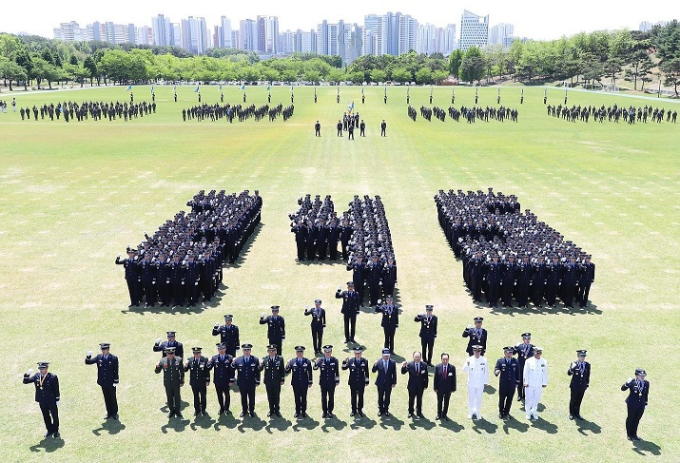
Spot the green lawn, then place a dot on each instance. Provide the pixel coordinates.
(72, 196)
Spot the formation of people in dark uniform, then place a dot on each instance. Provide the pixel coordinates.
(615, 113)
(510, 256)
(95, 110)
(215, 112)
(318, 231)
(184, 258)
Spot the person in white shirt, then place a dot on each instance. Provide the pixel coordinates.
(535, 379)
(478, 378)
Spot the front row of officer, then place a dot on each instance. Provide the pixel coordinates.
(273, 367)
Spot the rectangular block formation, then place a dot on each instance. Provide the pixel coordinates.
(509, 255)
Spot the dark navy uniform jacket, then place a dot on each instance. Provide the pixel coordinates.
(223, 373)
(300, 372)
(107, 369)
(330, 372)
(46, 393)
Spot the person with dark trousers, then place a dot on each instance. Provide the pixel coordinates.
(386, 380)
(329, 379)
(508, 373)
(349, 310)
(317, 324)
(444, 386)
(173, 380)
(198, 367)
(131, 276)
(389, 322)
(248, 379)
(276, 327)
(476, 336)
(300, 370)
(358, 380)
(580, 381)
(223, 377)
(524, 351)
(47, 395)
(637, 400)
(229, 335)
(273, 370)
(107, 377)
(428, 332)
(418, 380)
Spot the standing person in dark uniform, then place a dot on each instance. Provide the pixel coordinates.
(350, 132)
(131, 276)
(339, 127)
(301, 237)
(47, 395)
(638, 397)
(229, 335)
(418, 380)
(357, 381)
(248, 379)
(373, 272)
(507, 370)
(524, 351)
(389, 276)
(147, 270)
(173, 380)
(477, 336)
(276, 327)
(385, 381)
(345, 235)
(570, 277)
(317, 325)
(523, 281)
(107, 377)
(493, 280)
(580, 381)
(223, 377)
(585, 280)
(349, 310)
(553, 280)
(362, 129)
(273, 368)
(383, 127)
(444, 385)
(428, 332)
(389, 322)
(509, 280)
(317, 129)
(329, 378)
(171, 342)
(199, 379)
(333, 236)
(358, 268)
(539, 273)
(300, 369)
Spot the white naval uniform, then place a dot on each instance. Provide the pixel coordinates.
(478, 376)
(535, 377)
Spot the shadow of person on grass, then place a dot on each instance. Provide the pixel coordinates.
(391, 421)
(514, 424)
(333, 423)
(642, 447)
(251, 422)
(247, 246)
(362, 422)
(451, 425)
(175, 424)
(544, 425)
(279, 424)
(48, 445)
(110, 426)
(422, 423)
(226, 421)
(308, 423)
(202, 422)
(585, 425)
(484, 425)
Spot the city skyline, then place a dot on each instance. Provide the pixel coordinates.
(530, 18)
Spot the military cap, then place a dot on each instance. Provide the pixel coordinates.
(104, 345)
(275, 308)
(478, 319)
(386, 351)
(538, 349)
(358, 350)
(509, 349)
(171, 334)
(196, 350)
(43, 364)
(221, 346)
(299, 348)
(271, 346)
(317, 301)
(228, 317)
(526, 335)
(327, 348)
(640, 371)
(477, 347)
(246, 346)
(429, 308)
(350, 283)
(169, 350)
(582, 352)
(389, 296)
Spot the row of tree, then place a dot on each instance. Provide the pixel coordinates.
(583, 59)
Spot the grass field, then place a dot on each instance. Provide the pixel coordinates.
(72, 196)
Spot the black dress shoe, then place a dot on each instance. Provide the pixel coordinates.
(324, 415)
(361, 413)
(269, 413)
(115, 417)
(197, 413)
(296, 415)
(106, 417)
(171, 414)
(446, 418)
(629, 438)
(509, 416)
(179, 415)
(242, 414)
(634, 437)
(579, 417)
(379, 413)
(278, 413)
(56, 435)
(304, 414)
(352, 414)
(437, 417)
(227, 412)
(410, 415)
(252, 414)
(387, 413)
(48, 434)
(571, 417)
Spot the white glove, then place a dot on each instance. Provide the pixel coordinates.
(29, 372)
(217, 325)
(115, 384)
(89, 353)
(158, 341)
(629, 380)
(118, 256)
(469, 327)
(57, 403)
(339, 288)
(263, 315)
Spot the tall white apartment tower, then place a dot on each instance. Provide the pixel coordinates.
(474, 30)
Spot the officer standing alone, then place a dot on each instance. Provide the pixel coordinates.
(637, 400)
(107, 377)
(47, 395)
(507, 371)
(580, 381)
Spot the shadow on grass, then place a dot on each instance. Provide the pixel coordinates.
(110, 426)
(590, 309)
(333, 423)
(305, 423)
(279, 424)
(48, 444)
(174, 424)
(544, 425)
(362, 423)
(251, 422)
(451, 426)
(422, 423)
(202, 422)
(514, 424)
(484, 425)
(490, 389)
(642, 447)
(392, 422)
(226, 421)
(245, 250)
(585, 425)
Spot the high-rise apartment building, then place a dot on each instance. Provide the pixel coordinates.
(501, 34)
(195, 35)
(474, 30)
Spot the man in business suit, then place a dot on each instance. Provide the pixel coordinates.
(107, 377)
(349, 310)
(329, 378)
(476, 336)
(47, 395)
(477, 368)
(580, 380)
(638, 397)
(507, 371)
(389, 322)
(317, 324)
(357, 380)
(276, 327)
(418, 380)
(385, 381)
(428, 332)
(300, 369)
(273, 367)
(248, 379)
(444, 385)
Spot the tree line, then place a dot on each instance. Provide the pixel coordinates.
(587, 59)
